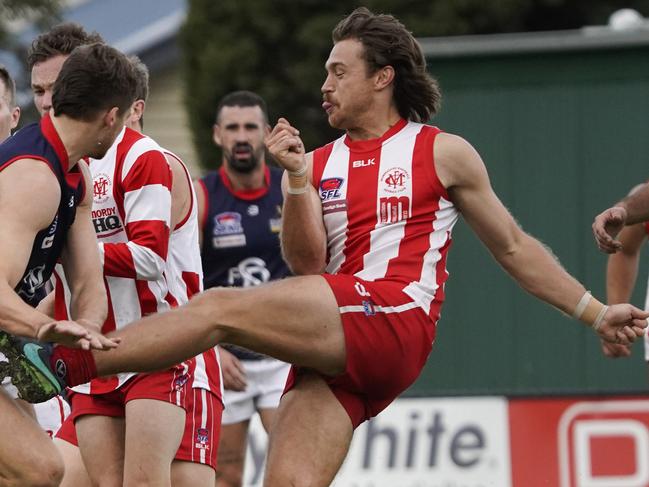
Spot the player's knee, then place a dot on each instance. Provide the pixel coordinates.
(48, 472)
(217, 305)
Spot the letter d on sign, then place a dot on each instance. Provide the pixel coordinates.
(635, 437)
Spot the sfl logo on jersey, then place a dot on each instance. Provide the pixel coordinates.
(605, 444)
(100, 187)
(330, 188)
(395, 180)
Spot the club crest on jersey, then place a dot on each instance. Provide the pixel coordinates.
(330, 188)
(100, 187)
(228, 230)
(202, 439)
(395, 180)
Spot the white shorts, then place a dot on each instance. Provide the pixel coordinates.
(51, 414)
(266, 379)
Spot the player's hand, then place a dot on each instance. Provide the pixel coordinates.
(234, 377)
(622, 324)
(74, 335)
(614, 350)
(606, 227)
(285, 146)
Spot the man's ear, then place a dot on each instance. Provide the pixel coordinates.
(15, 117)
(111, 117)
(216, 134)
(137, 110)
(383, 77)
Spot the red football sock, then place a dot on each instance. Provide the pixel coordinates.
(73, 365)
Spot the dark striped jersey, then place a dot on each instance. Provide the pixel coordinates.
(41, 142)
(241, 234)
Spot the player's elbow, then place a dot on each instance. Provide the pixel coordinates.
(151, 268)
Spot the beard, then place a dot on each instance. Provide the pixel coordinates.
(244, 165)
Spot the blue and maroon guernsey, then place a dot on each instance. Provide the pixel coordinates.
(40, 141)
(241, 236)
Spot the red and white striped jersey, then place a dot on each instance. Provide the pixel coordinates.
(131, 213)
(184, 276)
(386, 213)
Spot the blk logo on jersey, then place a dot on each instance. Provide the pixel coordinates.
(330, 188)
(395, 180)
(364, 162)
(100, 188)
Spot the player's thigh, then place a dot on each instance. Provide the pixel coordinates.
(75, 470)
(232, 454)
(294, 319)
(268, 416)
(154, 430)
(27, 455)
(310, 437)
(101, 444)
(191, 474)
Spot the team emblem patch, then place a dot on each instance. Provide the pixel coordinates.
(180, 381)
(100, 187)
(368, 308)
(395, 180)
(202, 439)
(228, 230)
(330, 188)
(227, 223)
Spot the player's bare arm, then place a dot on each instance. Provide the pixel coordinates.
(621, 275)
(631, 210)
(21, 218)
(462, 171)
(82, 264)
(303, 236)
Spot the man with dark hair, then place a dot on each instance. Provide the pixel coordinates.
(9, 110)
(47, 54)
(146, 225)
(240, 217)
(44, 217)
(367, 219)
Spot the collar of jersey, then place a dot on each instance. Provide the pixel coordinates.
(52, 136)
(246, 194)
(373, 144)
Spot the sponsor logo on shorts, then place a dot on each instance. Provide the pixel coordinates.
(202, 439)
(180, 381)
(360, 289)
(368, 308)
(395, 180)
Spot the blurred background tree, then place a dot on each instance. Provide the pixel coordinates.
(44, 13)
(278, 49)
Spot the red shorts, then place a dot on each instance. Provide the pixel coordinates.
(202, 428)
(388, 339)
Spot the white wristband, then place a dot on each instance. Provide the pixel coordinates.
(597, 324)
(581, 305)
(299, 172)
(301, 190)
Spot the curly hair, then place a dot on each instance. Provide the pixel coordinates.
(61, 40)
(387, 42)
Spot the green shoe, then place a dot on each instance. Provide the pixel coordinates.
(29, 368)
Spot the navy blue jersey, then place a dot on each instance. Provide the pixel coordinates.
(241, 234)
(40, 141)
